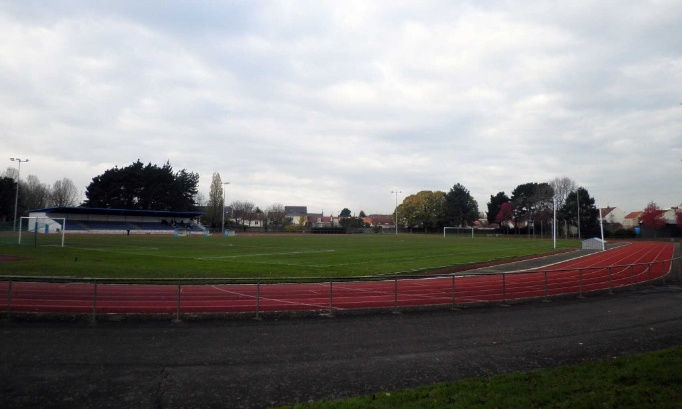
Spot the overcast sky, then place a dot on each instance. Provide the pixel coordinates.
(333, 104)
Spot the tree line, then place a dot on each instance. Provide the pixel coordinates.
(151, 187)
(136, 187)
(530, 207)
(33, 194)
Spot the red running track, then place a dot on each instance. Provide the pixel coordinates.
(623, 266)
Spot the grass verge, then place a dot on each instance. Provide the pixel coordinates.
(651, 380)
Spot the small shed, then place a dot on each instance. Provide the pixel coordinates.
(594, 243)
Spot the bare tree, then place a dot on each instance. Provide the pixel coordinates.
(35, 194)
(562, 187)
(200, 199)
(276, 215)
(11, 173)
(64, 193)
(242, 211)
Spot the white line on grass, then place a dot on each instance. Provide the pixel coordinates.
(264, 254)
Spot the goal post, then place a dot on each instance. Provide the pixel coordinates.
(44, 231)
(458, 232)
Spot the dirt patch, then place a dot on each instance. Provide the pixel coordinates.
(8, 259)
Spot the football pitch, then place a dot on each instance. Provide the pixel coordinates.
(267, 256)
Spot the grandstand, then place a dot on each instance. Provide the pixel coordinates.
(86, 220)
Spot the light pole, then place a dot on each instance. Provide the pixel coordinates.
(223, 207)
(554, 222)
(396, 209)
(16, 198)
(577, 198)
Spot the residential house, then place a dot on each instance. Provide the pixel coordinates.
(613, 216)
(254, 219)
(295, 211)
(631, 220)
(671, 214)
(380, 220)
(298, 214)
(319, 220)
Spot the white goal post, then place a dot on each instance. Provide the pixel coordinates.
(43, 227)
(458, 231)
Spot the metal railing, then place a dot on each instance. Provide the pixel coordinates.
(257, 296)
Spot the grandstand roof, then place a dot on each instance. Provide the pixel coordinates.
(119, 212)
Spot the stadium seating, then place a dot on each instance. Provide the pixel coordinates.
(119, 226)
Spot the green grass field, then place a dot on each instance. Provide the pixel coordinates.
(246, 256)
(643, 381)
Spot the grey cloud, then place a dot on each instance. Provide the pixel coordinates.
(336, 104)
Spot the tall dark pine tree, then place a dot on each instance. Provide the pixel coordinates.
(8, 191)
(461, 208)
(532, 203)
(543, 207)
(589, 214)
(140, 187)
(522, 201)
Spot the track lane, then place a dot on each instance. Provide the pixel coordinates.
(618, 267)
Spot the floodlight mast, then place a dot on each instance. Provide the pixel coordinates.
(601, 228)
(396, 209)
(222, 231)
(554, 227)
(16, 197)
(577, 197)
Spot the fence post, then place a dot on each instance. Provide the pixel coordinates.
(632, 283)
(662, 272)
(545, 299)
(94, 302)
(331, 297)
(610, 281)
(650, 280)
(177, 312)
(453, 293)
(504, 289)
(395, 292)
(9, 299)
(258, 299)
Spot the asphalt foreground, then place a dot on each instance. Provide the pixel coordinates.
(251, 364)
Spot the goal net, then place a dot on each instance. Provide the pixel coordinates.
(181, 232)
(42, 231)
(467, 232)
